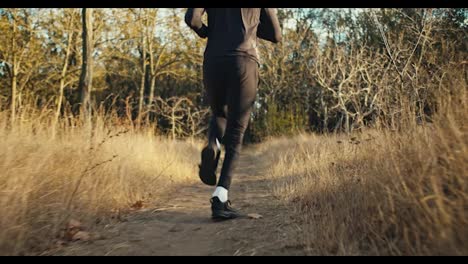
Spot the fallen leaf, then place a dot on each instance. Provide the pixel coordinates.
(255, 216)
(81, 235)
(74, 224)
(60, 243)
(137, 205)
(70, 234)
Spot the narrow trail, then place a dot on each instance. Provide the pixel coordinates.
(183, 225)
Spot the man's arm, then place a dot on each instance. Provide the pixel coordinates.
(269, 27)
(193, 19)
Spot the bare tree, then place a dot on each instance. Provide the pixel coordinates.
(69, 31)
(185, 119)
(19, 52)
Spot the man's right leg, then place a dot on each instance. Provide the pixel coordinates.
(217, 99)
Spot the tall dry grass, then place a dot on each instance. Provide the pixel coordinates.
(46, 179)
(380, 192)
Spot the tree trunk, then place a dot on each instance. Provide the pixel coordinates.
(86, 77)
(14, 77)
(142, 83)
(347, 125)
(62, 83)
(142, 89)
(173, 125)
(13, 96)
(151, 96)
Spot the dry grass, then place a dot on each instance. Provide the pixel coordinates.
(45, 181)
(380, 192)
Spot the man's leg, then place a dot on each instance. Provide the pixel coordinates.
(216, 96)
(241, 80)
(241, 92)
(217, 125)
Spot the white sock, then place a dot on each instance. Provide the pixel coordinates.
(221, 193)
(218, 144)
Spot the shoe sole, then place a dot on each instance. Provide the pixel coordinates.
(207, 172)
(222, 215)
(219, 218)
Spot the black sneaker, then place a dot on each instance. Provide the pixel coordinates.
(208, 166)
(222, 211)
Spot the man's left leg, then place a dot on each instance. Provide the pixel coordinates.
(217, 126)
(242, 81)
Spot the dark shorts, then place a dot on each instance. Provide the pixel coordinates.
(231, 84)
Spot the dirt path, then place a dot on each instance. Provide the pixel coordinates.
(183, 226)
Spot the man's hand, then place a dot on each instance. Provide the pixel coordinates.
(269, 27)
(193, 20)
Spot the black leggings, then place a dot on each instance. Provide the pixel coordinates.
(231, 85)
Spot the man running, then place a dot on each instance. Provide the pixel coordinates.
(230, 75)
